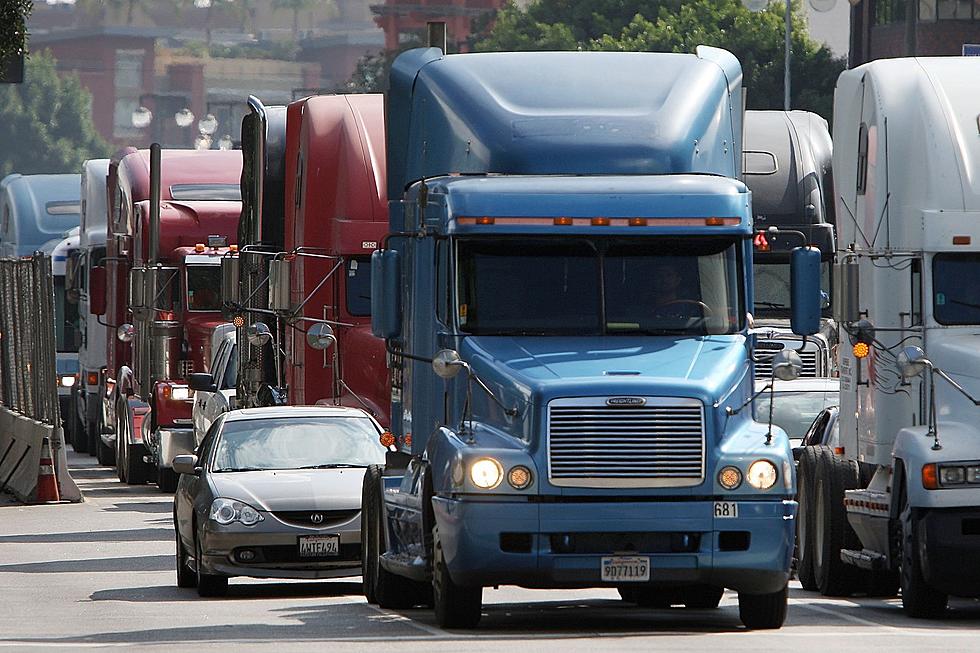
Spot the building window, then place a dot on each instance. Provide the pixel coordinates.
(129, 86)
(927, 11)
(889, 11)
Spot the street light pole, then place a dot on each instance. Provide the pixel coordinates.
(789, 40)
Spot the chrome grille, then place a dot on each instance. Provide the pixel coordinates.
(657, 444)
(763, 364)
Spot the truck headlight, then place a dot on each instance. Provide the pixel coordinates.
(66, 380)
(762, 475)
(181, 393)
(226, 511)
(486, 473)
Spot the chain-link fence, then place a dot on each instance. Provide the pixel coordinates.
(28, 377)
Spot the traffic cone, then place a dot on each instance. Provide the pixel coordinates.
(47, 483)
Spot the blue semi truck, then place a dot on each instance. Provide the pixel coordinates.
(564, 296)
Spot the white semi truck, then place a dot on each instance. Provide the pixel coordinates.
(898, 502)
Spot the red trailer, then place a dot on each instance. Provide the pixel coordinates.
(336, 214)
(162, 298)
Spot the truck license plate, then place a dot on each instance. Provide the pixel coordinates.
(626, 569)
(319, 546)
(726, 509)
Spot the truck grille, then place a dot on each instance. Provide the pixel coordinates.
(648, 442)
(763, 364)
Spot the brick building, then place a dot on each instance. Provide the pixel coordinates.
(405, 20)
(888, 28)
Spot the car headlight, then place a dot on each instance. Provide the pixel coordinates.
(762, 475)
(226, 511)
(66, 380)
(486, 473)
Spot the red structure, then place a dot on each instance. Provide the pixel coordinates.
(400, 19)
(884, 28)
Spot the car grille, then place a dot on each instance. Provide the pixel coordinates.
(763, 364)
(657, 444)
(309, 517)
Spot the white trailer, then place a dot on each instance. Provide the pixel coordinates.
(898, 503)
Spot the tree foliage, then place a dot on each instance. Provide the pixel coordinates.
(46, 122)
(13, 28)
(757, 39)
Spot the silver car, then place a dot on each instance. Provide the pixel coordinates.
(274, 493)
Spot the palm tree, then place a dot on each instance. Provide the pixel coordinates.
(297, 6)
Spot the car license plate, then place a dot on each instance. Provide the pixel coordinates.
(626, 569)
(726, 509)
(319, 546)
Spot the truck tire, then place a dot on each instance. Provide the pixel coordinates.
(370, 489)
(806, 475)
(78, 435)
(831, 530)
(167, 479)
(92, 434)
(763, 611)
(456, 606)
(919, 599)
(104, 453)
(382, 587)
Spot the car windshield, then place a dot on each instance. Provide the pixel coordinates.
(204, 287)
(956, 302)
(297, 442)
(599, 286)
(772, 290)
(794, 412)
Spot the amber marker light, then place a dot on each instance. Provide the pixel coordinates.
(199, 247)
(232, 248)
(387, 439)
(564, 221)
(519, 477)
(486, 219)
(861, 350)
(600, 222)
(638, 222)
(92, 378)
(714, 222)
(238, 321)
(961, 240)
(930, 476)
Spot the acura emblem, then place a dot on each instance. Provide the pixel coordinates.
(316, 517)
(626, 401)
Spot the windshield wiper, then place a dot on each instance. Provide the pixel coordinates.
(329, 466)
(771, 305)
(240, 469)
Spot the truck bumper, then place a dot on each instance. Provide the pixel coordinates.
(949, 541)
(172, 441)
(549, 545)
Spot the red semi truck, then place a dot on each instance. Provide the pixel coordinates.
(168, 228)
(336, 210)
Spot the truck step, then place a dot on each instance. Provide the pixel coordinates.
(865, 559)
(414, 568)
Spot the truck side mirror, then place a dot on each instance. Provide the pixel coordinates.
(201, 382)
(805, 298)
(279, 285)
(386, 294)
(230, 291)
(136, 297)
(96, 290)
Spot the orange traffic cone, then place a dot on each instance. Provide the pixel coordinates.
(47, 483)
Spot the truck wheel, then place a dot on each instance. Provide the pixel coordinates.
(209, 584)
(370, 489)
(702, 597)
(92, 434)
(122, 466)
(185, 575)
(919, 599)
(167, 479)
(456, 606)
(105, 454)
(804, 519)
(763, 611)
(831, 531)
(79, 438)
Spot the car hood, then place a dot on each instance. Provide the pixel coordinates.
(293, 489)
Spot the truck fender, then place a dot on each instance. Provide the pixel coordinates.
(914, 448)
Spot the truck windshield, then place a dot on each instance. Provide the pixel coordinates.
(204, 287)
(66, 333)
(213, 192)
(956, 300)
(599, 286)
(772, 290)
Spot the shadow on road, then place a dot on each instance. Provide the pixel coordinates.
(236, 591)
(133, 535)
(93, 565)
(143, 506)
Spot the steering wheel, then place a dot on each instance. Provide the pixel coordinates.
(687, 302)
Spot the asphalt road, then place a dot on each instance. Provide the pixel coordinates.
(101, 575)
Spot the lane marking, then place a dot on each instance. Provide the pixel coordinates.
(398, 618)
(848, 617)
